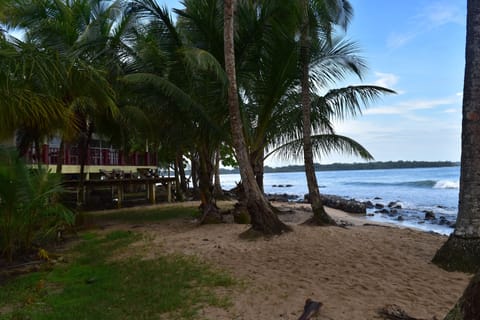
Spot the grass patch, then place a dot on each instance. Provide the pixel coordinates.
(140, 215)
(92, 286)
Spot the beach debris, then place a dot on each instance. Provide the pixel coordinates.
(310, 309)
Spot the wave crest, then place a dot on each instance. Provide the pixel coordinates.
(446, 184)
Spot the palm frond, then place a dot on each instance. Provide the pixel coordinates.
(322, 145)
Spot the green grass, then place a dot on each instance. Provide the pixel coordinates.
(140, 215)
(93, 285)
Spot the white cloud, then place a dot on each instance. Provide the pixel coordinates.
(452, 110)
(405, 107)
(441, 13)
(388, 80)
(430, 17)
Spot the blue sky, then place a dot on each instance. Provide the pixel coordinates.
(415, 47)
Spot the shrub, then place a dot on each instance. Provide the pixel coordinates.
(29, 207)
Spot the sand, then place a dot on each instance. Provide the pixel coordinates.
(353, 271)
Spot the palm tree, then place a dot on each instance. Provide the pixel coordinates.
(60, 29)
(27, 100)
(326, 14)
(336, 104)
(462, 250)
(178, 60)
(262, 216)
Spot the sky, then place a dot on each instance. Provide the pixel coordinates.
(417, 48)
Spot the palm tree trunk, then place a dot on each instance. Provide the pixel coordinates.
(179, 177)
(320, 216)
(467, 307)
(217, 184)
(181, 170)
(60, 156)
(462, 250)
(262, 216)
(257, 162)
(211, 213)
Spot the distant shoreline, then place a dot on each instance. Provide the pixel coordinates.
(356, 166)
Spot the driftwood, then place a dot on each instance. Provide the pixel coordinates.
(310, 309)
(394, 312)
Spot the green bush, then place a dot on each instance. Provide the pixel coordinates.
(29, 207)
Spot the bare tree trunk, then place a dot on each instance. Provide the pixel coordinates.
(462, 250)
(320, 216)
(262, 216)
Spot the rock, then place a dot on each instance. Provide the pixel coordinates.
(336, 202)
(379, 206)
(377, 198)
(442, 221)
(284, 197)
(429, 215)
(384, 211)
(350, 206)
(400, 218)
(369, 204)
(395, 205)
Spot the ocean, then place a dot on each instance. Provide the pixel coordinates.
(417, 191)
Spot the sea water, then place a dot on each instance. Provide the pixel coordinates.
(416, 190)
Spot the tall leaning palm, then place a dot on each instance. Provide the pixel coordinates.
(328, 13)
(263, 218)
(462, 250)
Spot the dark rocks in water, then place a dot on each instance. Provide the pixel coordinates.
(443, 221)
(282, 185)
(384, 211)
(394, 211)
(377, 198)
(395, 205)
(379, 206)
(369, 204)
(347, 205)
(429, 215)
(400, 218)
(284, 197)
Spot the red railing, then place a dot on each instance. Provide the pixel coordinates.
(95, 156)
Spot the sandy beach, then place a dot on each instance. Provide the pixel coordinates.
(353, 271)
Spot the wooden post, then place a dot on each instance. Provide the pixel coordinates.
(151, 192)
(120, 194)
(45, 155)
(169, 191)
(66, 153)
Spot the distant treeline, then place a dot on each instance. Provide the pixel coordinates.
(358, 166)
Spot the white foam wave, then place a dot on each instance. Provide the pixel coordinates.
(446, 184)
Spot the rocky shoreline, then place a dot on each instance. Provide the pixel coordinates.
(393, 211)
